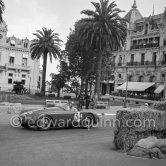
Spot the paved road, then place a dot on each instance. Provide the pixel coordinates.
(62, 147)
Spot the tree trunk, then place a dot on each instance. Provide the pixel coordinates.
(58, 93)
(98, 74)
(86, 86)
(44, 74)
(82, 85)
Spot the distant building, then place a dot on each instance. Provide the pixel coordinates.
(16, 63)
(143, 57)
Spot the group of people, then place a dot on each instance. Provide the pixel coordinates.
(88, 101)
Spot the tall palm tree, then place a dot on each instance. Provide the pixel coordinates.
(101, 29)
(2, 8)
(46, 43)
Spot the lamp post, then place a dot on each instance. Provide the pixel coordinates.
(29, 84)
(125, 101)
(165, 87)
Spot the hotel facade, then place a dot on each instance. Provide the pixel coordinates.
(143, 58)
(16, 63)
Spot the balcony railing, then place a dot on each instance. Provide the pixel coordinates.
(14, 66)
(119, 64)
(2, 67)
(149, 45)
(143, 63)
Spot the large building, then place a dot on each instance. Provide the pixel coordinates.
(143, 57)
(16, 63)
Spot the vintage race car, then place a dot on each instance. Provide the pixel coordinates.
(53, 117)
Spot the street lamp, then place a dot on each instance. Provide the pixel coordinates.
(29, 84)
(125, 101)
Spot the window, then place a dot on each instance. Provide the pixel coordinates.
(142, 58)
(10, 78)
(141, 79)
(164, 57)
(154, 57)
(10, 74)
(11, 60)
(162, 75)
(132, 58)
(120, 59)
(164, 42)
(146, 28)
(24, 62)
(119, 75)
(23, 82)
(10, 81)
(23, 75)
(25, 45)
(152, 79)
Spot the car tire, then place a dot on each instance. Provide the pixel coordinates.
(25, 125)
(88, 122)
(43, 123)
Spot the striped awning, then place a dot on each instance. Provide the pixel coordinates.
(159, 89)
(135, 86)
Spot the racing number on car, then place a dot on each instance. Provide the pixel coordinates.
(77, 116)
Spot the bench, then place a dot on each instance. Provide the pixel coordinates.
(102, 104)
(52, 103)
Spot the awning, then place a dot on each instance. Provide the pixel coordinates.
(159, 89)
(135, 86)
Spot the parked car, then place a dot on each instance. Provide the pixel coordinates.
(53, 117)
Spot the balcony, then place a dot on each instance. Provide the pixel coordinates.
(143, 63)
(2, 67)
(119, 64)
(23, 67)
(149, 45)
(14, 66)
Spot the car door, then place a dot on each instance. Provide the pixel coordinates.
(61, 117)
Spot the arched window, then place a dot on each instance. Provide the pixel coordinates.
(130, 78)
(152, 79)
(140, 79)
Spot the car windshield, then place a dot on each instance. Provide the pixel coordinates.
(55, 109)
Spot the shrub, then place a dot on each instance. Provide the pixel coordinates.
(161, 106)
(134, 124)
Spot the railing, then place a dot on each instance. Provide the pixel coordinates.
(12, 65)
(2, 67)
(119, 64)
(149, 45)
(143, 63)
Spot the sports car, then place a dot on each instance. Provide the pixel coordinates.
(53, 117)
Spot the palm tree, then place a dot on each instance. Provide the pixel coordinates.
(46, 43)
(101, 29)
(2, 8)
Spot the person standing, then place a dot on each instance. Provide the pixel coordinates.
(87, 99)
(95, 99)
(81, 101)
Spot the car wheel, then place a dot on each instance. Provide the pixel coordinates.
(88, 121)
(25, 125)
(43, 123)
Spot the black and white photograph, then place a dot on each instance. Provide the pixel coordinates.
(82, 83)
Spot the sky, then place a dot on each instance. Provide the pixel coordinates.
(24, 17)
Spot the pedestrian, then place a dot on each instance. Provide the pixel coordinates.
(95, 99)
(81, 100)
(87, 99)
